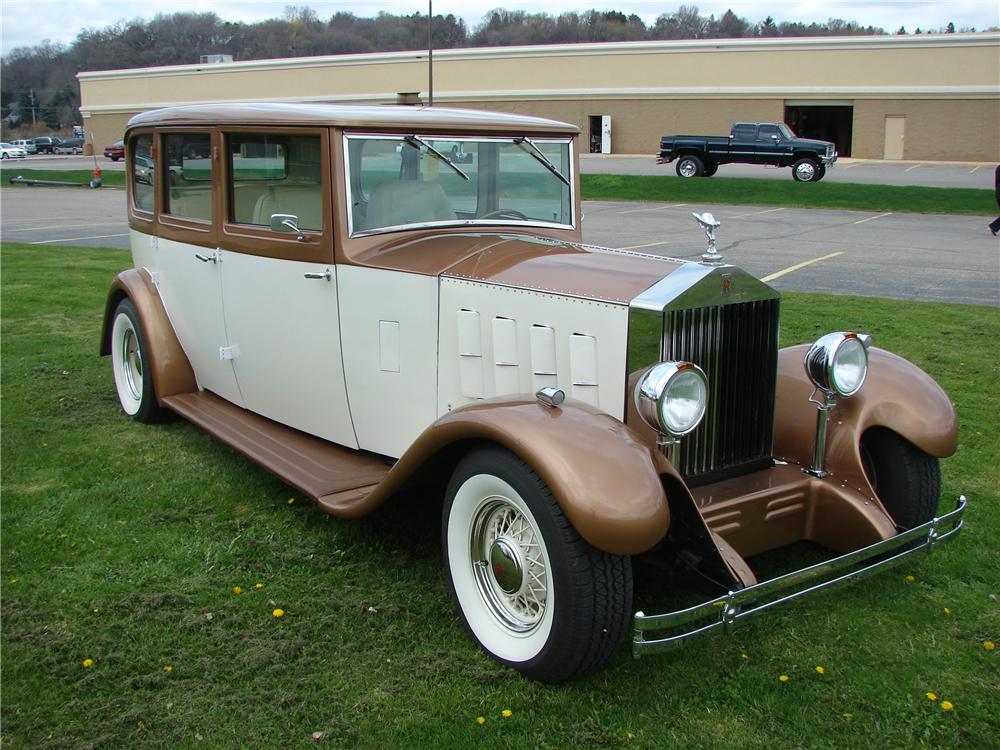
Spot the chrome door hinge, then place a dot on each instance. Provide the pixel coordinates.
(229, 352)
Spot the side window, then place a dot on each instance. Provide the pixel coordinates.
(188, 165)
(745, 132)
(142, 172)
(275, 174)
(766, 131)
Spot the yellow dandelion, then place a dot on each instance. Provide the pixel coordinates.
(947, 705)
(931, 697)
(168, 668)
(480, 720)
(744, 657)
(87, 663)
(237, 590)
(783, 679)
(820, 670)
(989, 645)
(258, 585)
(629, 736)
(947, 610)
(279, 612)
(63, 536)
(13, 581)
(95, 610)
(291, 501)
(506, 713)
(910, 579)
(848, 716)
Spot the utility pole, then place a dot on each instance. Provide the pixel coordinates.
(430, 54)
(32, 107)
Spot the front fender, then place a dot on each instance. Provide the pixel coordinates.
(605, 479)
(172, 373)
(897, 395)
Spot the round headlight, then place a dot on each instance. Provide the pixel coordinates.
(838, 363)
(672, 396)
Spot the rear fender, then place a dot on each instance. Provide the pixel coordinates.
(172, 373)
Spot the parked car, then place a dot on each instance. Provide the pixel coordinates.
(769, 143)
(46, 144)
(362, 320)
(70, 146)
(115, 151)
(27, 145)
(10, 151)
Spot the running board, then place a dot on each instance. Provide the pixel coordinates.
(337, 478)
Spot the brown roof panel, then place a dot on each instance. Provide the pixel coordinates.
(349, 116)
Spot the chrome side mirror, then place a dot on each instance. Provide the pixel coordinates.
(287, 224)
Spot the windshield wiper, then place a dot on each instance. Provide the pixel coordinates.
(521, 140)
(418, 142)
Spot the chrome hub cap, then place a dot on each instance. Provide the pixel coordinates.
(508, 564)
(687, 169)
(806, 171)
(132, 364)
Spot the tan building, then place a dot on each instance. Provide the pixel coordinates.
(928, 97)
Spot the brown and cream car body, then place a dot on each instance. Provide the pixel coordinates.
(324, 289)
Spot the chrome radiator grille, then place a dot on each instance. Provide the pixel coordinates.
(737, 347)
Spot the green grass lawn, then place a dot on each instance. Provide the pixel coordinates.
(109, 178)
(758, 192)
(124, 544)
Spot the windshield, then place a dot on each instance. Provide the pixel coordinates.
(413, 180)
(786, 131)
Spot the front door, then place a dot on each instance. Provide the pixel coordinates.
(280, 287)
(895, 137)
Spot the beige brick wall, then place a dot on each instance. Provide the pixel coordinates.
(950, 130)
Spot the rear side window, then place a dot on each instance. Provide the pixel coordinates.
(188, 166)
(275, 174)
(142, 172)
(745, 132)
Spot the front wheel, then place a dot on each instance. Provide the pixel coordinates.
(689, 166)
(129, 360)
(532, 593)
(906, 480)
(806, 170)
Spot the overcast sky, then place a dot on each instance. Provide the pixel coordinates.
(28, 22)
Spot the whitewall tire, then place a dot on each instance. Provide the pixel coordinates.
(129, 362)
(531, 592)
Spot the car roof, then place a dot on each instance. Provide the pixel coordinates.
(348, 116)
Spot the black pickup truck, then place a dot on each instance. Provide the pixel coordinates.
(768, 143)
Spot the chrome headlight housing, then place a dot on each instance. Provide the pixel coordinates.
(671, 397)
(837, 363)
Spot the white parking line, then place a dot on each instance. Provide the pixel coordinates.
(74, 239)
(973, 170)
(913, 167)
(636, 247)
(64, 226)
(847, 166)
(758, 213)
(797, 266)
(872, 218)
(652, 208)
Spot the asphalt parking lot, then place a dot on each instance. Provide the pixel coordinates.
(901, 256)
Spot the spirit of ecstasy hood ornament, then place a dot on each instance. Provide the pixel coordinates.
(709, 223)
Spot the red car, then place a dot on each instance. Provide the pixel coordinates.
(115, 151)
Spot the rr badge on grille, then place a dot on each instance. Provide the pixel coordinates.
(727, 284)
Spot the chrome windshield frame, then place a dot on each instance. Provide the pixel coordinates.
(462, 223)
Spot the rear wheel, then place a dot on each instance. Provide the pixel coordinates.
(129, 361)
(906, 480)
(689, 166)
(532, 593)
(710, 168)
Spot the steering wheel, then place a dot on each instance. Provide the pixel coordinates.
(504, 213)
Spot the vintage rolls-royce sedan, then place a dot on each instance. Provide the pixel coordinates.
(371, 299)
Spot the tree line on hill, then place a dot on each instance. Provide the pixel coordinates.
(39, 86)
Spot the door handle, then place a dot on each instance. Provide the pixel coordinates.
(327, 274)
(213, 258)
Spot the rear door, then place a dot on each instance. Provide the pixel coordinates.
(280, 288)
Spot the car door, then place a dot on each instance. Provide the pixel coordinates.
(280, 287)
(771, 145)
(188, 262)
(742, 143)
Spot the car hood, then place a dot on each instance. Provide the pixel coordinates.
(812, 143)
(530, 262)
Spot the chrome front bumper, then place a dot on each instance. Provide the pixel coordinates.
(657, 633)
(829, 161)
